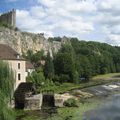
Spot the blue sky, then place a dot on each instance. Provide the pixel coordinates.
(97, 20)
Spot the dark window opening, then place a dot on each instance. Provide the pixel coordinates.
(19, 76)
(18, 65)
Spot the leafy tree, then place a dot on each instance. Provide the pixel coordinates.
(37, 78)
(54, 39)
(29, 55)
(76, 77)
(94, 58)
(49, 67)
(35, 57)
(64, 64)
(6, 91)
(38, 56)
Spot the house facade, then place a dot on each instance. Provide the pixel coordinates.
(15, 61)
(29, 68)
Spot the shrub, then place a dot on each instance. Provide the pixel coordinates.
(64, 78)
(37, 78)
(6, 91)
(71, 102)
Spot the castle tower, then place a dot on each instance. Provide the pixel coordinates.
(13, 18)
(9, 18)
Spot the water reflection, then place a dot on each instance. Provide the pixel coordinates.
(109, 111)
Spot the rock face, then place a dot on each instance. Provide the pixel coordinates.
(23, 41)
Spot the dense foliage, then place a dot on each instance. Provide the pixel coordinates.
(94, 58)
(6, 91)
(71, 102)
(78, 61)
(81, 60)
(49, 67)
(34, 57)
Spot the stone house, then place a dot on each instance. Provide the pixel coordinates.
(15, 61)
(29, 68)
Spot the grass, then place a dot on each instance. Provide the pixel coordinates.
(66, 113)
(76, 113)
(97, 80)
(60, 88)
(106, 76)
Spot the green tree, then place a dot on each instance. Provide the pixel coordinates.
(37, 78)
(6, 91)
(29, 55)
(35, 57)
(64, 62)
(64, 65)
(49, 67)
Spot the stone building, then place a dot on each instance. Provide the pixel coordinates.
(9, 18)
(16, 62)
(29, 68)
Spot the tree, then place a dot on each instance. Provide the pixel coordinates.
(37, 78)
(6, 91)
(29, 55)
(64, 64)
(35, 57)
(49, 67)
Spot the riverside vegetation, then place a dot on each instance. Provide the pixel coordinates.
(71, 67)
(6, 91)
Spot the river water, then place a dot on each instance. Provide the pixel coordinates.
(110, 110)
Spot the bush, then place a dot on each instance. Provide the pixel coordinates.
(6, 91)
(64, 78)
(71, 102)
(37, 78)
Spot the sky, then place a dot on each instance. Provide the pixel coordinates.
(91, 20)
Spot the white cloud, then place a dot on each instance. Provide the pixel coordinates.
(38, 12)
(109, 18)
(47, 3)
(81, 6)
(55, 14)
(73, 17)
(113, 39)
(25, 20)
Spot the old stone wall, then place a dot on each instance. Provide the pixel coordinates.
(9, 18)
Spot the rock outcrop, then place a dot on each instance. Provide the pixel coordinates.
(23, 41)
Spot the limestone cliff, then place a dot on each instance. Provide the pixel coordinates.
(23, 41)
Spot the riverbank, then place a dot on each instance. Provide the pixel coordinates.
(66, 113)
(76, 113)
(97, 80)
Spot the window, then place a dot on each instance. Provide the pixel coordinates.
(18, 65)
(19, 76)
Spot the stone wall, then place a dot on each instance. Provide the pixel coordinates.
(33, 103)
(9, 18)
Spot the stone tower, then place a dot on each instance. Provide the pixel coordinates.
(9, 18)
(13, 18)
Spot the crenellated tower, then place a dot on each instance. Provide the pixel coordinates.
(9, 18)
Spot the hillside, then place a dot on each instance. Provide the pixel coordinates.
(96, 58)
(23, 41)
(88, 58)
